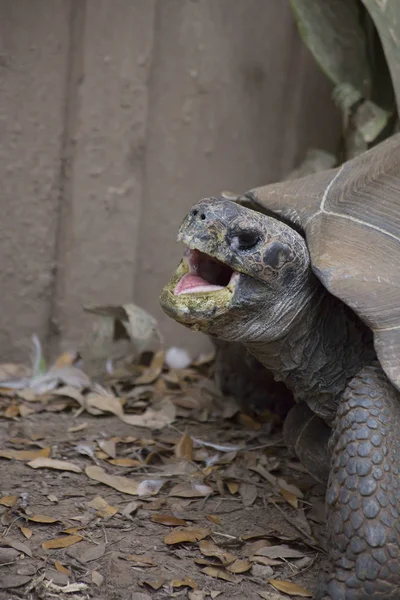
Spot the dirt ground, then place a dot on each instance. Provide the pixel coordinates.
(208, 504)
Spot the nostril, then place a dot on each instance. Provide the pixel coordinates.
(194, 212)
(202, 216)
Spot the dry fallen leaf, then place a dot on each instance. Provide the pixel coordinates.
(42, 519)
(187, 582)
(62, 542)
(97, 578)
(125, 462)
(26, 532)
(232, 486)
(140, 560)
(190, 534)
(61, 569)
(109, 447)
(208, 548)
(214, 519)
(240, 566)
(10, 542)
(188, 490)
(184, 448)
(155, 584)
(153, 371)
(118, 482)
(282, 551)
(219, 573)
(51, 463)
(13, 581)
(168, 520)
(292, 589)
(25, 454)
(92, 553)
(9, 501)
(103, 509)
(154, 419)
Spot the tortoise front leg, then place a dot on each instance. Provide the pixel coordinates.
(363, 495)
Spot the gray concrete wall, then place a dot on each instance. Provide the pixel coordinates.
(115, 116)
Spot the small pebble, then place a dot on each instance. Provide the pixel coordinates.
(177, 358)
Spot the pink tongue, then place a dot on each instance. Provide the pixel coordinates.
(193, 283)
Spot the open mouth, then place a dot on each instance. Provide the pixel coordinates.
(206, 274)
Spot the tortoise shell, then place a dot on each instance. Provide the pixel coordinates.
(351, 219)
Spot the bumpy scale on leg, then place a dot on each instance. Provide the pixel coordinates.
(363, 496)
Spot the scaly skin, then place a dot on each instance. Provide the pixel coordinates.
(363, 495)
(280, 312)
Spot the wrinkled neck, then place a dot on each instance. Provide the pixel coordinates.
(325, 346)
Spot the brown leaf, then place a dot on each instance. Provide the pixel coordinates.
(118, 482)
(292, 589)
(187, 582)
(66, 359)
(103, 509)
(154, 419)
(25, 454)
(7, 541)
(9, 501)
(290, 498)
(26, 532)
(154, 370)
(125, 462)
(232, 486)
(214, 519)
(168, 520)
(141, 560)
(62, 542)
(208, 548)
(184, 448)
(155, 584)
(190, 534)
(51, 463)
(42, 519)
(240, 566)
(219, 573)
(61, 569)
(248, 422)
(71, 530)
(11, 411)
(263, 560)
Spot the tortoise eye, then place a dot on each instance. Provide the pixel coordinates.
(244, 240)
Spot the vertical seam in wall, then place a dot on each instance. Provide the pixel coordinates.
(149, 87)
(74, 76)
(293, 91)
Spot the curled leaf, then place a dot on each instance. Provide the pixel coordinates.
(292, 589)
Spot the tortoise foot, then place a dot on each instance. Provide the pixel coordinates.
(363, 495)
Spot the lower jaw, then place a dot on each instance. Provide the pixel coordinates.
(197, 311)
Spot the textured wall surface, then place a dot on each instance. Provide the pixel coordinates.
(114, 118)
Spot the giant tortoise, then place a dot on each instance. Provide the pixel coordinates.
(306, 275)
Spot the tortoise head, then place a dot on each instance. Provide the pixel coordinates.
(244, 276)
